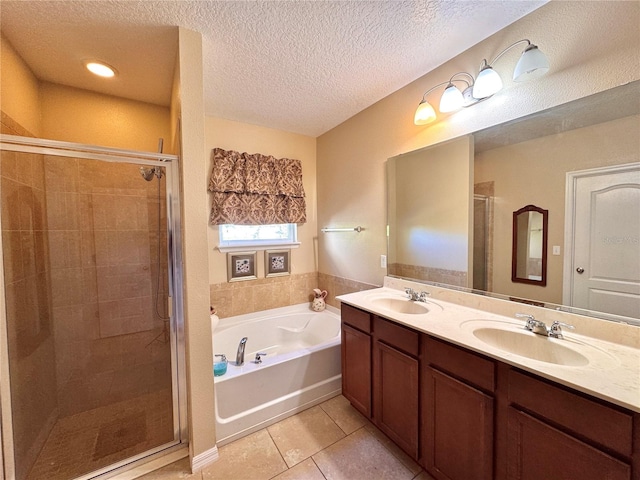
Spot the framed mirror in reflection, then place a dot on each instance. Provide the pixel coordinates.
(527, 161)
(529, 252)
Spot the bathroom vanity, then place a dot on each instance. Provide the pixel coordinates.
(471, 394)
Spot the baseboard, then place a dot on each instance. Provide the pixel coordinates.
(198, 462)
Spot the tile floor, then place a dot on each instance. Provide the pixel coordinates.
(330, 441)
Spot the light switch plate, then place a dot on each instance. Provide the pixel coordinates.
(556, 249)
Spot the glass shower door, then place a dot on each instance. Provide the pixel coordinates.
(90, 342)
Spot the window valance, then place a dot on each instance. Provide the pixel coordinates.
(255, 189)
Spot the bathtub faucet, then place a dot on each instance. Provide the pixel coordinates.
(240, 354)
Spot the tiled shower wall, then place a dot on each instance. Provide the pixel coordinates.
(103, 234)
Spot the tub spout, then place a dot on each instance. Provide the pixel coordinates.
(240, 354)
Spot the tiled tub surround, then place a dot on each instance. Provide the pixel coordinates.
(300, 369)
(613, 375)
(239, 298)
(336, 286)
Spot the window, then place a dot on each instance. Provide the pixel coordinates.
(257, 236)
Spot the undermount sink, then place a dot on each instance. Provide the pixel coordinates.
(530, 345)
(400, 305)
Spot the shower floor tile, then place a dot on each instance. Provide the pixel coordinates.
(88, 441)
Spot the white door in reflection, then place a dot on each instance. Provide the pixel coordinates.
(604, 273)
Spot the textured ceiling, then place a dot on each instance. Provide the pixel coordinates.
(299, 66)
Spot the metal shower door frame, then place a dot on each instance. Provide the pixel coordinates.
(175, 279)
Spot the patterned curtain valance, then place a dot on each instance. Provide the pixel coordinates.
(255, 189)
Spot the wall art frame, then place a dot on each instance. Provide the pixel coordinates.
(241, 266)
(277, 263)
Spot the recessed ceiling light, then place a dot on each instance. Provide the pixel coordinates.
(101, 69)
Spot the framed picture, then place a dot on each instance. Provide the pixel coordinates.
(277, 263)
(241, 266)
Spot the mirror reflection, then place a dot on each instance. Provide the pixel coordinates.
(529, 256)
(527, 161)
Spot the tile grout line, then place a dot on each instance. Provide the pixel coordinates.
(279, 453)
(318, 466)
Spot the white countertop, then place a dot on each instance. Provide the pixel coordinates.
(612, 374)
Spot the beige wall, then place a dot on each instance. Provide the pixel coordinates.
(188, 107)
(263, 293)
(19, 89)
(534, 172)
(74, 115)
(585, 55)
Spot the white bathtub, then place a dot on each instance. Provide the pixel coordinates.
(301, 368)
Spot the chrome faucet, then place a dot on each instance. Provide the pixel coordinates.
(259, 356)
(536, 326)
(415, 296)
(556, 329)
(533, 325)
(240, 354)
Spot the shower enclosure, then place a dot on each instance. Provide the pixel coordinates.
(91, 308)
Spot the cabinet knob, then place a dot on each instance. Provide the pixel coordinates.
(580, 270)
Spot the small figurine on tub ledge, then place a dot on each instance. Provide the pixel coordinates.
(318, 303)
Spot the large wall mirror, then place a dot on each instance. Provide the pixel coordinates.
(527, 161)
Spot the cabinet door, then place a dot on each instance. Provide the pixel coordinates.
(457, 429)
(395, 393)
(356, 369)
(537, 450)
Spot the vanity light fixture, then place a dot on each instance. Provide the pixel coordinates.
(452, 99)
(532, 64)
(101, 69)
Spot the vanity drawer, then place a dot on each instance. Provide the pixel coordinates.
(397, 336)
(598, 422)
(356, 318)
(460, 363)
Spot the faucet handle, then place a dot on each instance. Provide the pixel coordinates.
(530, 320)
(258, 358)
(409, 291)
(556, 329)
(422, 296)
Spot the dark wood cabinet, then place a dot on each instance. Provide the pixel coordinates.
(457, 417)
(465, 416)
(536, 450)
(356, 368)
(458, 429)
(380, 374)
(395, 384)
(553, 432)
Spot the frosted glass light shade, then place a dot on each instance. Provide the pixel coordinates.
(451, 99)
(487, 83)
(424, 113)
(532, 64)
